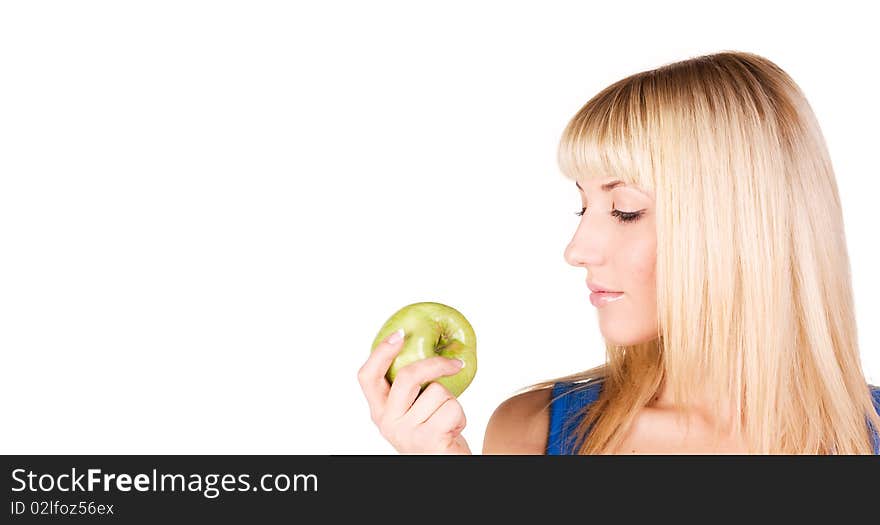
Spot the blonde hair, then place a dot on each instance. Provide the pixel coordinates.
(754, 296)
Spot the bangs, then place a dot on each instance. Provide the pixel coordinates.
(608, 138)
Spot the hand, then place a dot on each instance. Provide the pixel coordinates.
(430, 423)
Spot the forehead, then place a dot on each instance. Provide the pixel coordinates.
(610, 184)
(605, 186)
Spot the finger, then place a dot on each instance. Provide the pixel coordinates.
(427, 403)
(371, 375)
(448, 418)
(409, 381)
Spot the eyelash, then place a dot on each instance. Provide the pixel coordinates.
(622, 216)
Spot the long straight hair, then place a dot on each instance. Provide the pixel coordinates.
(755, 302)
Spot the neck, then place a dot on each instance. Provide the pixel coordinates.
(700, 406)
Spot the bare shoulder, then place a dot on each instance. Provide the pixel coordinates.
(520, 424)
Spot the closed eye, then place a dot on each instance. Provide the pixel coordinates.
(622, 216)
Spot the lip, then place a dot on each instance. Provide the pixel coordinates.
(598, 288)
(602, 298)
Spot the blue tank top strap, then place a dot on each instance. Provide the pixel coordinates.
(568, 398)
(875, 435)
(566, 401)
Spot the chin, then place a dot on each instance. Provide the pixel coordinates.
(624, 334)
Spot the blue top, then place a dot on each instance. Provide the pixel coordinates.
(565, 414)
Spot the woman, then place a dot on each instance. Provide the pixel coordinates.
(713, 242)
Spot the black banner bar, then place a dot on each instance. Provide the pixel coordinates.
(257, 489)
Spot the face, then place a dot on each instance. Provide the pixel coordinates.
(616, 242)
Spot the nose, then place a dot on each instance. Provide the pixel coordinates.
(587, 247)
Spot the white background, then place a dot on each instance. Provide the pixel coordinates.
(208, 209)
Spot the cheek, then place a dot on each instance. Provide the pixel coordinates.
(639, 261)
(635, 322)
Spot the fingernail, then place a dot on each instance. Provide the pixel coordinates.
(460, 363)
(396, 336)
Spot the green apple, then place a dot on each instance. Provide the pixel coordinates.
(432, 329)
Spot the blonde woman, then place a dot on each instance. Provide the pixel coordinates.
(712, 238)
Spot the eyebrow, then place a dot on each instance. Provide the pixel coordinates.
(605, 187)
